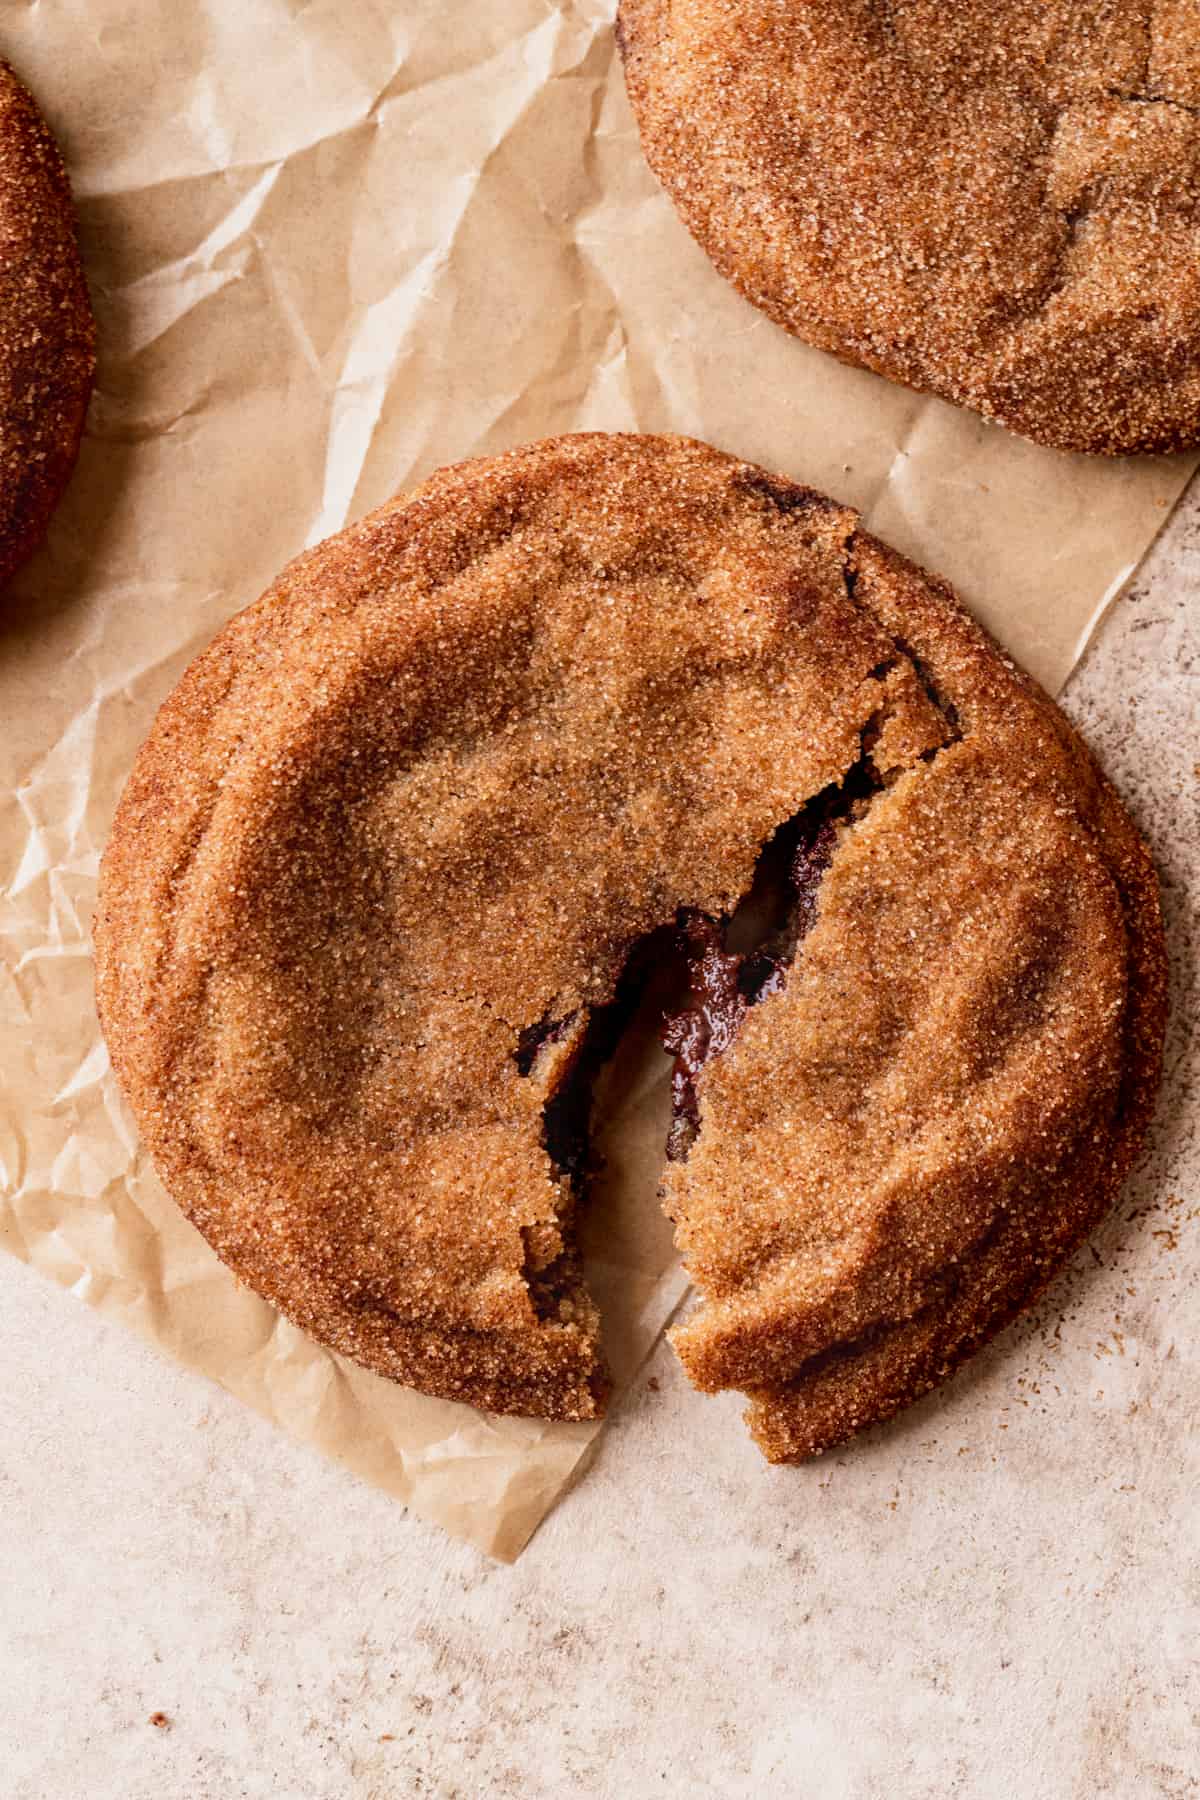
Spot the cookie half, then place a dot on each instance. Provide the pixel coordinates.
(47, 338)
(995, 201)
(391, 868)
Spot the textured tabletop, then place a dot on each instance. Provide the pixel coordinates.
(997, 1595)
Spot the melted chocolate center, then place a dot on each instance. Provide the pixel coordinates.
(724, 983)
(706, 1026)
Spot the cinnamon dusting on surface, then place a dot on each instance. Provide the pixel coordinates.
(379, 884)
(997, 201)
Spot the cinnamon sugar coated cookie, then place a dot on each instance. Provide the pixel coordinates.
(402, 844)
(996, 201)
(47, 339)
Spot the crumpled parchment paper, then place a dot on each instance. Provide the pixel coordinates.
(332, 247)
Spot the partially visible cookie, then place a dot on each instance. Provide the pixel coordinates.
(47, 338)
(397, 855)
(997, 201)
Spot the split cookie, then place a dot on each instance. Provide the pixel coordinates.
(401, 844)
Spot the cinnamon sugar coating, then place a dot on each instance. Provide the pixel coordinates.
(995, 201)
(47, 339)
(397, 833)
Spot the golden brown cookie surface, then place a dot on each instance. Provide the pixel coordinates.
(995, 201)
(399, 831)
(47, 339)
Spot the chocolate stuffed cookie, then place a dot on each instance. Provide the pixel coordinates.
(997, 201)
(389, 869)
(47, 340)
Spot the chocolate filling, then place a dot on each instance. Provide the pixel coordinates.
(534, 1039)
(724, 980)
(567, 1114)
(552, 1268)
(728, 965)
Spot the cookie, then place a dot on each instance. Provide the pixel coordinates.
(47, 338)
(994, 201)
(390, 872)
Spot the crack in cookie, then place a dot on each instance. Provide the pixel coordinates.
(410, 839)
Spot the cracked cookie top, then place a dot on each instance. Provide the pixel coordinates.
(47, 339)
(995, 202)
(387, 873)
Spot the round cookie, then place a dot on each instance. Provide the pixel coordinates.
(47, 338)
(403, 842)
(994, 201)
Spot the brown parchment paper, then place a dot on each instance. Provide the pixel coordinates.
(332, 247)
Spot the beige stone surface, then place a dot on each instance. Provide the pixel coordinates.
(998, 1595)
